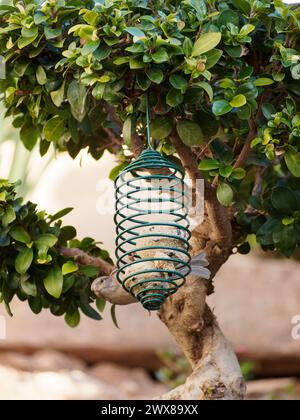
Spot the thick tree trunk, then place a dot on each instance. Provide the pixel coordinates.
(216, 373)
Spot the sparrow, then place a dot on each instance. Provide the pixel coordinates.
(110, 289)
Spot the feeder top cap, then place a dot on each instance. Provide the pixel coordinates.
(152, 159)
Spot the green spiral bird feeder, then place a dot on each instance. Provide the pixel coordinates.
(152, 244)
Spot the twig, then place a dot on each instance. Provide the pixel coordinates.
(243, 157)
(85, 259)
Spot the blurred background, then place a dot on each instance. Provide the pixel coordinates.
(256, 301)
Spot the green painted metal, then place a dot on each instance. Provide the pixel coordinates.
(152, 227)
(161, 216)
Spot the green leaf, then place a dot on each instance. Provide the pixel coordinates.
(29, 134)
(221, 107)
(247, 29)
(24, 260)
(90, 312)
(54, 129)
(244, 249)
(28, 286)
(51, 33)
(212, 58)
(187, 47)
(174, 98)
(206, 42)
(292, 161)
(58, 95)
(98, 91)
(25, 41)
(136, 63)
(285, 239)
(72, 318)
(296, 120)
(284, 200)
(59, 215)
(209, 165)
(207, 88)
(243, 5)
(4, 240)
(69, 267)
(156, 75)
(136, 32)
(263, 81)
(143, 81)
(244, 112)
(100, 303)
(19, 234)
(90, 47)
(238, 173)
(7, 308)
(161, 128)
(238, 101)
(225, 194)
(228, 16)
(234, 51)
(77, 97)
(69, 282)
(264, 235)
(29, 32)
(104, 79)
(67, 233)
(190, 133)
(9, 216)
(35, 304)
(226, 171)
(53, 282)
(268, 111)
(296, 72)
(90, 271)
(113, 315)
(115, 172)
(129, 129)
(178, 82)
(160, 56)
(41, 76)
(47, 239)
(40, 17)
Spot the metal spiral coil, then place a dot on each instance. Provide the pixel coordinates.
(152, 244)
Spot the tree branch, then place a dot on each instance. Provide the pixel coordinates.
(243, 157)
(85, 259)
(217, 214)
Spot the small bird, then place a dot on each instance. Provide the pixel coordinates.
(110, 289)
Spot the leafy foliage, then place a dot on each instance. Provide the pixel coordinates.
(218, 73)
(31, 266)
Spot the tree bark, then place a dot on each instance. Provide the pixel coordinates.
(216, 373)
(215, 370)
